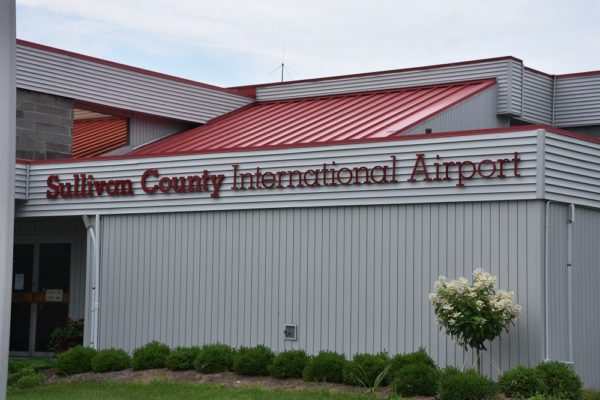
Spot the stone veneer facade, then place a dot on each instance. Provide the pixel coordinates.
(44, 125)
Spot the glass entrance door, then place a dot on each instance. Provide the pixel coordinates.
(40, 297)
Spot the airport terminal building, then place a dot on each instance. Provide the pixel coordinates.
(310, 214)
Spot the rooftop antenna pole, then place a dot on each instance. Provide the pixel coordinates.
(8, 94)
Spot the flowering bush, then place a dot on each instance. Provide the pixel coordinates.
(472, 313)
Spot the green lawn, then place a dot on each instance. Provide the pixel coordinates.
(169, 390)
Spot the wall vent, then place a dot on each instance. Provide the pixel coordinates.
(289, 333)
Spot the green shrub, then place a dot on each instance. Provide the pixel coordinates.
(591, 395)
(76, 360)
(289, 364)
(214, 358)
(12, 366)
(364, 369)
(13, 377)
(253, 360)
(560, 380)
(111, 360)
(182, 358)
(152, 355)
(521, 383)
(417, 379)
(29, 381)
(327, 366)
(417, 357)
(469, 385)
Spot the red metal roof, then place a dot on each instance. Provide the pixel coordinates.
(326, 120)
(98, 136)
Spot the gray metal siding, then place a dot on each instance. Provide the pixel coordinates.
(577, 101)
(145, 128)
(21, 181)
(557, 305)
(586, 296)
(478, 112)
(472, 147)
(572, 170)
(509, 86)
(29, 230)
(83, 80)
(537, 97)
(354, 279)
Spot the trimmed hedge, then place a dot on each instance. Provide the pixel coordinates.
(289, 364)
(364, 369)
(522, 383)
(418, 379)
(76, 360)
(327, 366)
(182, 358)
(417, 357)
(111, 360)
(152, 355)
(214, 358)
(468, 385)
(253, 360)
(560, 380)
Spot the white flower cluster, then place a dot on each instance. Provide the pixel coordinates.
(463, 307)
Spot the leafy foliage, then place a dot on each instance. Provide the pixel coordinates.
(522, 383)
(561, 381)
(67, 335)
(417, 379)
(253, 360)
(289, 364)
(468, 385)
(152, 355)
(472, 313)
(364, 369)
(182, 358)
(76, 360)
(417, 357)
(213, 358)
(327, 366)
(111, 360)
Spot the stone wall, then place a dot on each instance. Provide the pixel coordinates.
(44, 125)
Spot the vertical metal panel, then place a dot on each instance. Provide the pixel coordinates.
(558, 339)
(509, 82)
(478, 112)
(537, 97)
(577, 101)
(57, 230)
(51, 72)
(146, 128)
(586, 297)
(354, 279)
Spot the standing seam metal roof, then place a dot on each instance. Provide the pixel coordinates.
(341, 118)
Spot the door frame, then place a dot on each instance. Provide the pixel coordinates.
(36, 241)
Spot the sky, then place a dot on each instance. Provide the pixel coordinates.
(237, 42)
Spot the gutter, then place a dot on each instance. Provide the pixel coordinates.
(94, 231)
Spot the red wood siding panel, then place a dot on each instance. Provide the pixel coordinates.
(96, 137)
(341, 118)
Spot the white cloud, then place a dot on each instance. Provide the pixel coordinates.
(236, 42)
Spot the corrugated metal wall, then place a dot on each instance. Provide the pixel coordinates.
(353, 279)
(577, 101)
(478, 112)
(21, 181)
(586, 281)
(146, 128)
(460, 147)
(503, 70)
(572, 172)
(537, 97)
(586, 297)
(48, 230)
(76, 78)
